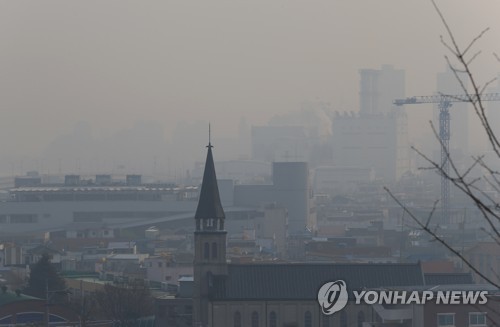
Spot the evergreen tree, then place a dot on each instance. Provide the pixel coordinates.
(44, 276)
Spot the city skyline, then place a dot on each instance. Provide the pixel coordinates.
(174, 62)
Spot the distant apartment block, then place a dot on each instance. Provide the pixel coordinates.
(372, 141)
(377, 137)
(379, 88)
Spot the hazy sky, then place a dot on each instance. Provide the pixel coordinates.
(113, 63)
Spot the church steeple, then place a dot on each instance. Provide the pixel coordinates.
(209, 213)
(209, 242)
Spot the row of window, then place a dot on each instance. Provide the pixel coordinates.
(39, 197)
(120, 214)
(160, 264)
(19, 218)
(98, 216)
(273, 319)
(476, 319)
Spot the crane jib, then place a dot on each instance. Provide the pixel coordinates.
(447, 97)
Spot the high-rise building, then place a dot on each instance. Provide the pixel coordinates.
(372, 141)
(378, 89)
(377, 138)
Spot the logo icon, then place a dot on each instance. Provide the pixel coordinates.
(332, 297)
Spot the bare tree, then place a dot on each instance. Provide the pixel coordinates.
(86, 307)
(125, 303)
(459, 60)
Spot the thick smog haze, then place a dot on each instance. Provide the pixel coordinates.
(93, 85)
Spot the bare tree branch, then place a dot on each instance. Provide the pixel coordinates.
(459, 61)
(441, 240)
(432, 212)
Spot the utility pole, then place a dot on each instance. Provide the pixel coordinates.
(47, 299)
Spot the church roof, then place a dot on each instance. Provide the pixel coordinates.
(448, 278)
(302, 281)
(209, 205)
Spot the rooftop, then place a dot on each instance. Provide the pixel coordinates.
(302, 281)
(46, 189)
(10, 297)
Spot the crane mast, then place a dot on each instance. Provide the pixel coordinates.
(444, 103)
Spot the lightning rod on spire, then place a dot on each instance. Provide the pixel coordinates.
(209, 137)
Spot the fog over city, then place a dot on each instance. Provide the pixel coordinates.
(93, 86)
(249, 163)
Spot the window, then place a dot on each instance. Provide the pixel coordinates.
(477, 319)
(237, 319)
(361, 318)
(343, 319)
(308, 319)
(23, 218)
(206, 251)
(446, 319)
(160, 264)
(214, 250)
(255, 319)
(273, 319)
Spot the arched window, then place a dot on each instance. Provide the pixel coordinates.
(343, 319)
(255, 319)
(214, 250)
(361, 318)
(325, 322)
(273, 319)
(237, 319)
(206, 251)
(308, 319)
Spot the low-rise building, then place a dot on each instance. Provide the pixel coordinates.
(166, 269)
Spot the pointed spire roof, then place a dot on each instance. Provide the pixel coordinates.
(209, 205)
